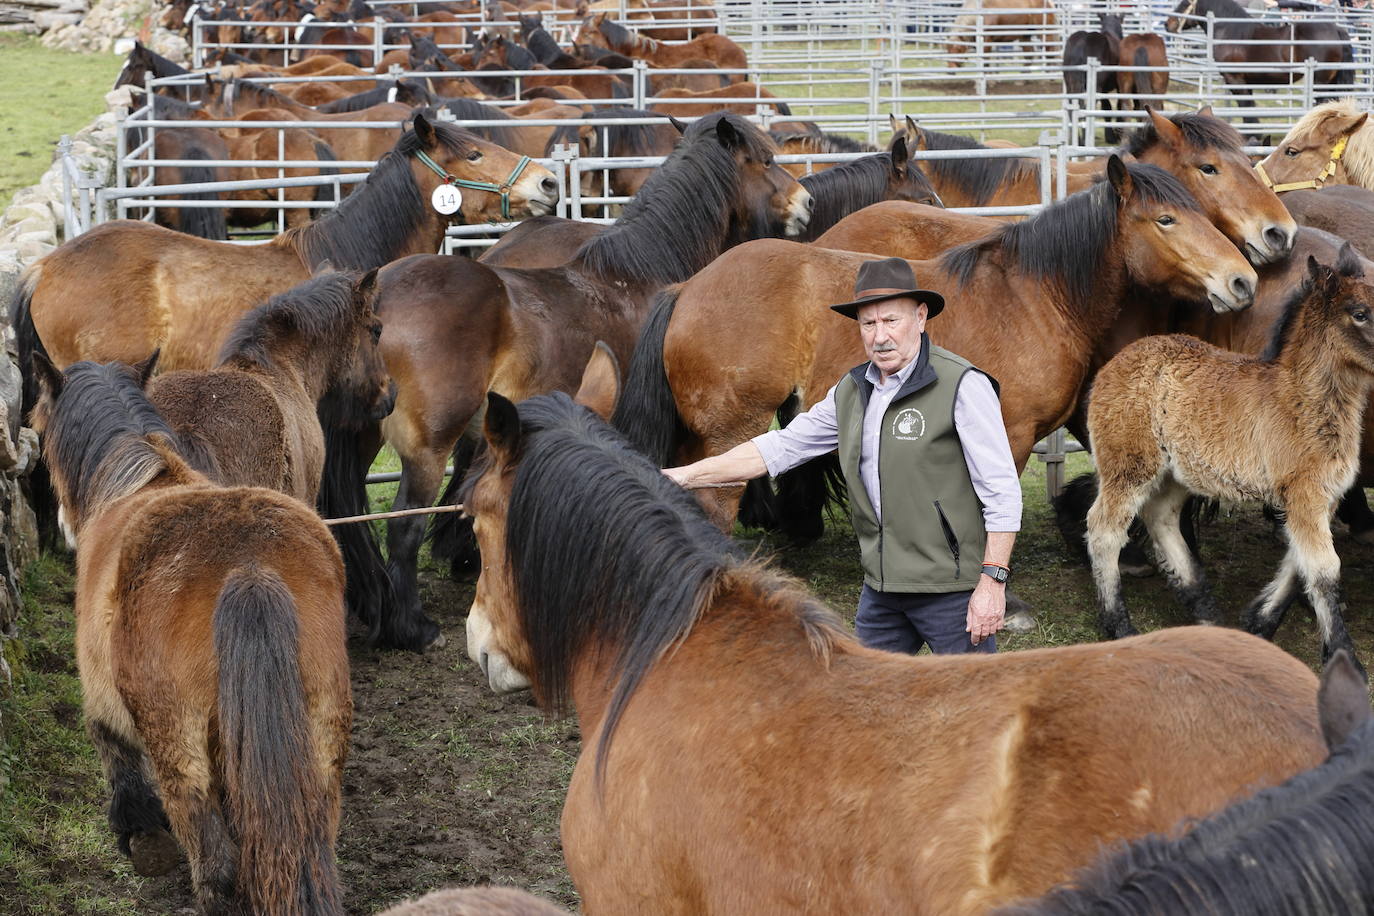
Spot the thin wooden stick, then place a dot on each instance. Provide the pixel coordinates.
(399, 513)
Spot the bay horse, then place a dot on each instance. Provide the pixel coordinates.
(739, 744)
(735, 98)
(456, 328)
(507, 131)
(253, 420)
(1144, 49)
(1331, 144)
(211, 646)
(798, 143)
(1289, 44)
(1010, 182)
(1252, 857)
(1172, 415)
(1067, 268)
(1014, 22)
(598, 29)
(1104, 45)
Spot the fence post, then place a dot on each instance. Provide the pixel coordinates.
(1046, 168)
(563, 154)
(378, 41)
(875, 76)
(640, 81)
(1090, 103)
(1309, 67)
(1053, 457)
(64, 151)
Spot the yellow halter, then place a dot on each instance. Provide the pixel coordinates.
(1316, 183)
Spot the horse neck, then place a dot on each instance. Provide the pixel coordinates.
(1314, 368)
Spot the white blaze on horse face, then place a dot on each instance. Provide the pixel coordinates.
(501, 674)
(798, 212)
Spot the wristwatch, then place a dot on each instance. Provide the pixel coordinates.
(996, 573)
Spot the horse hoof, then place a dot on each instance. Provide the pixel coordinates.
(154, 854)
(1020, 622)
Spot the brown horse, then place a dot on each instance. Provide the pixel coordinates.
(599, 30)
(1010, 182)
(125, 288)
(507, 131)
(802, 143)
(735, 98)
(456, 328)
(1067, 269)
(1015, 22)
(296, 144)
(1331, 144)
(1172, 415)
(740, 745)
(210, 641)
(254, 419)
(1142, 50)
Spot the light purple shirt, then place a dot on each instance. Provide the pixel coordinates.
(977, 421)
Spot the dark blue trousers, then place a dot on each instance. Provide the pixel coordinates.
(903, 622)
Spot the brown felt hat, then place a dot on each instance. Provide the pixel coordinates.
(890, 278)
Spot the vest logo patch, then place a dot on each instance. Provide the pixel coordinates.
(910, 425)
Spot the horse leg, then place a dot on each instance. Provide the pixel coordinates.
(1162, 515)
(1309, 533)
(1266, 612)
(136, 814)
(1354, 511)
(421, 475)
(1109, 520)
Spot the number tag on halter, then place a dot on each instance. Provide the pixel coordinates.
(446, 199)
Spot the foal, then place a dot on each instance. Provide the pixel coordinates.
(1171, 415)
(210, 641)
(253, 420)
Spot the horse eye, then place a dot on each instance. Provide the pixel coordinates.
(1290, 152)
(1166, 220)
(1208, 169)
(1360, 316)
(474, 155)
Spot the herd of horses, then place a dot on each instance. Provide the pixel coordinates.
(203, 406)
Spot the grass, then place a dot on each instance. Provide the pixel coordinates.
(44, 94)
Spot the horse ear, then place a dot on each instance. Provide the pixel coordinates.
(49, 376)
(502, 425)
(324, 267)
(367, 286)
(425, 131)
(681, 128)
(1357, 123)
(900, 157)
(600, 387)
(919, 141)
(728, 135)
(1206, 111)
(144, 370)
(1348, 262)
(1120, 177)
(892, 122)
(1168, 131)
(1342, 700)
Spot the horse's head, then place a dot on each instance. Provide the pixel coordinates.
(360, 376)
(1176, 22)
(1318, 149)
(493, 55)
(494, 184)
(589, 31)
(136, 67)
(771, 202)
(905, 180)
(1206, 155)
(1169, 244)
(1344, 301)
(495, 631)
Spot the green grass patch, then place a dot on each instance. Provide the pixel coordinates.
(44, 94)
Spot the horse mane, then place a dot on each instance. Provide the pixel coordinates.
(473, 110)
(845, 188)
(373, 225)
(1066, 243)
(1347, 265)
(821, 143)
(377, 96)
(672, 227)
(99, 436)
(1200, 130)
(320, 310)
(1302, 847)
(980, 179)
(603, 550)
(615, 33)
(171, 108)
(627, 139)
(269, 98)
(546, 50)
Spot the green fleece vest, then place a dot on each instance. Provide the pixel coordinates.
(931, 537)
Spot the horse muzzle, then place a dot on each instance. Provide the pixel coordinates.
(502, 676)
(1270, 244)
(386, 404)
(799, 208)
(1233, 292)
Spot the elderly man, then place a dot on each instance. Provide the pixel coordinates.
(933, 490)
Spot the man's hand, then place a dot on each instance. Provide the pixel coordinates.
(677, 475)
(986, 609)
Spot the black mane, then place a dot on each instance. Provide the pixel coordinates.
(96, 435)
(621, 139)
(615, 33)
(1302, 847)
(1065, 244)
(265, 96)
(321, 311)
(980, 179)
(821, 143)
(546, 50)
(500, 132)
(372, 226)
(408, 92)
(847, 187)
(676, 223)
(1200, 130)
(605, 551)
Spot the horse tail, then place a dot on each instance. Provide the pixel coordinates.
(205, 222)
(450, 534)
(1141, 80)
(37, 485)
(324, 153)
(782, 107)
(647, 414)
(278, 799)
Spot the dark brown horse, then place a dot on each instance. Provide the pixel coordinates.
(839, 778)
(254, 419)
(599, 29)
(455, 328)
(1143, 50)
(210, 641)
(1067, 269)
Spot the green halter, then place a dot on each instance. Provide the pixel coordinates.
(502, 189)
